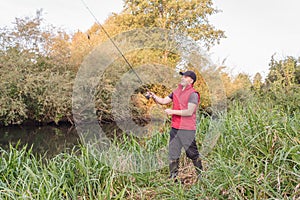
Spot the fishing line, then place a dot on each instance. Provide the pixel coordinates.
(112, 41)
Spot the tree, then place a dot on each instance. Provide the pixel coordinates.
(79, 48)
(257, 82)
(36, 82)
(242, 81)
(283, 83)
(241, 86)
(189, 17)
(283, 73)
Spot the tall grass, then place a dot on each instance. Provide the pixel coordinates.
(257, 156)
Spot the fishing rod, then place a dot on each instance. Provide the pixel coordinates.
(112, 41)
(150, 94)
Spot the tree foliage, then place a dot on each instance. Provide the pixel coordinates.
(283, 83)
(257, 82)
(285, 72)
(188, 17)
(35, 72)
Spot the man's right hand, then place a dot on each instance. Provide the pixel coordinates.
(150, 95)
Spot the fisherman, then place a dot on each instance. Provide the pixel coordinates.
(183, 126)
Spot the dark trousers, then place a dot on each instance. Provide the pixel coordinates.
(182, 138)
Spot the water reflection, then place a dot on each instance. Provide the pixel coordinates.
(51, 140)
(45, 140)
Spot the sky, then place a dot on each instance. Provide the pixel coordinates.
(255, 29)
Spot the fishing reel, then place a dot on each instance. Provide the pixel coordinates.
(147, 96)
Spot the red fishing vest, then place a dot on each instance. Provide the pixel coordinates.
(180, 102)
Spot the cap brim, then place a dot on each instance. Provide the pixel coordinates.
(181, 73)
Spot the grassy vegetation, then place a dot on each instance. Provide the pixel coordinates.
(257, 156)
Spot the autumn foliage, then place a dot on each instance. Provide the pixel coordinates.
(38, 64)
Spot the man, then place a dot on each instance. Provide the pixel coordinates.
(185, 102)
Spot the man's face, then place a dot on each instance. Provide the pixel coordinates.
(186, 80)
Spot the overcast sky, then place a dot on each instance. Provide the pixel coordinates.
(255, 29)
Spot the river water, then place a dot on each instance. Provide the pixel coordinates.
(49, 140)
(45, 140)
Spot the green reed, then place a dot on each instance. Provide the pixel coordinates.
(256, 156)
